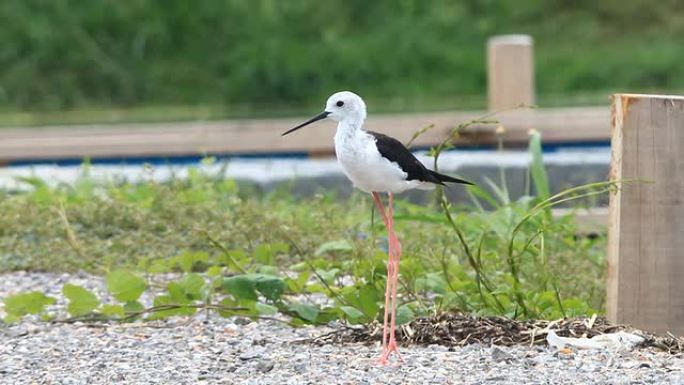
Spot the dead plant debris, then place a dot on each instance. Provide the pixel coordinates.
(458, 329)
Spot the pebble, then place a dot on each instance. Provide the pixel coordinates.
(251, 355)
(300, 368)
(216, 350)
(265, 366)
(498, 355)
(242, 321)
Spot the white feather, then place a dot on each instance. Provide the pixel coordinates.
(357, 152)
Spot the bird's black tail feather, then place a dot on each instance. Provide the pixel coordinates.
(446, 178)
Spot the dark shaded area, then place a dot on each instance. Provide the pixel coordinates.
(458, 329)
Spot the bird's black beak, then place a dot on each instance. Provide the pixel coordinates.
(316, 118)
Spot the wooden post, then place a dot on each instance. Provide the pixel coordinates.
(510, 71)
(646, 220)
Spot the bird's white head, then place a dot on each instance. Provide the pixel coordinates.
(343, 106)
(346, 106)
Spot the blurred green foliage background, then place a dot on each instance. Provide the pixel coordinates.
(261, 56)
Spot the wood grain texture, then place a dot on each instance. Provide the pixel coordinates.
(510, 71)
(263, 135)
(645, 282)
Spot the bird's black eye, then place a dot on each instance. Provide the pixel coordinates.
(339, 103)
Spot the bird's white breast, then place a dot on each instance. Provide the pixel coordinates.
(364, 166)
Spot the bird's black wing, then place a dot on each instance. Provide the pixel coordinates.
(395, 151)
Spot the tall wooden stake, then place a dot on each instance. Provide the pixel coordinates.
(510, 71)
(646, 233)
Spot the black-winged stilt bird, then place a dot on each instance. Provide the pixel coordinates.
(377, 163)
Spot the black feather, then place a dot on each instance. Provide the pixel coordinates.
(451, 179)
(395, 151)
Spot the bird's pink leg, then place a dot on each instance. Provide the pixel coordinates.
(378, 203)
(396, 246)
(393, 281)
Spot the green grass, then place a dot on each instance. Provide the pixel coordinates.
(245, 252)
(268, 54)
(514, 260)
(260, 254)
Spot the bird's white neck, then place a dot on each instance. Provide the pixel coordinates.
(349, 127)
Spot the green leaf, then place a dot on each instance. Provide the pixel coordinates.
(339, 245)
(81, 301)
(113, 310)
(328, 275)
(270, 287)
(269, 270)
(187, 260)
(177, 293)
(537, 169)
(328, 315)
(160, 265)
(298, 284)
(301, 266)
(476, 192)
(162, 300)
(265, 309)
(306, 312)
(368, 300)
(354, 315)
(547, 300)
(241, 287)
(264, 254)
(404, 315)
(186, 290)
(125, 286)
(431, 282)
(26, 303)
(228, 302)
(133, 307)
(214, 271)
(575, 307)
(235, 259)
(500, 192)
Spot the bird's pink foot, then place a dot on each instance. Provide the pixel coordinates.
(385, 356)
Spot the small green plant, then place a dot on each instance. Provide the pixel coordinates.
(507, 253)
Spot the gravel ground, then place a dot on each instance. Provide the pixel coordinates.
(212, 350)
